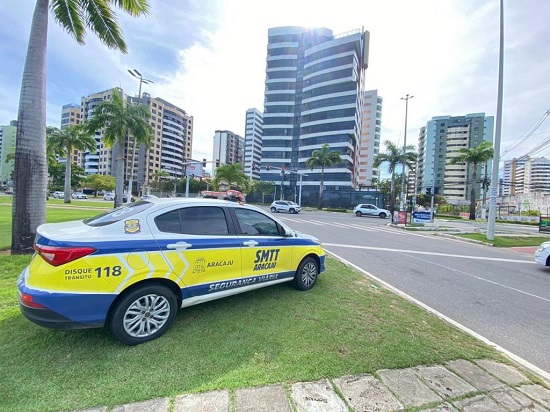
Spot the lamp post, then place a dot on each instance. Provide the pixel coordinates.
(403, 191)
(137, 75)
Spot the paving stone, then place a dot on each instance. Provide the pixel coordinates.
(408, 387)
(316, 397)
(367, 394)
(481, 403)
(216, 401)
(538, 393)
(474, 375)
(511, 399)
(271, 398)
(505, 373)
(446, 407)
(153, 405)
(444, 382)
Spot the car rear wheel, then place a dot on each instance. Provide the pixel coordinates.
(273, 210)
(143, 314)
(292, 211)
(382, 215)
(306, 275)
(358, 214)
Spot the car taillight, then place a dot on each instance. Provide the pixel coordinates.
(26, 300)
(57, 256)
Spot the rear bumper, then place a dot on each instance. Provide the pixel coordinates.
(49, 319)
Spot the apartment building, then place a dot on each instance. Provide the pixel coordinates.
(369, 142)
(253, 143)
(439, 142)
(313, 96)
(228, 149)
(526, 176)
(7, 146)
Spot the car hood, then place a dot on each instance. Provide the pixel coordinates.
(306, 236)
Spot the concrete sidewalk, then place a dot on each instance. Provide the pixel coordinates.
(480, 386)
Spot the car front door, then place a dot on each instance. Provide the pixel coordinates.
(201, 248)
(266, 253)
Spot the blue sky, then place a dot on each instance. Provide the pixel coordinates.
(208, 57)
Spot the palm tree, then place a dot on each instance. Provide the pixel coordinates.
(233, 175)
(323, 157)
(394, 156)
(30, 169)
(119, 119)
(159, 175)
(475, 156)
(71, 138)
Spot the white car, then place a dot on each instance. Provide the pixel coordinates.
(285, 206)
(542, 255)
(58, 194)
(109, 196)
(370, 210)
(79, 195)
(147, 197)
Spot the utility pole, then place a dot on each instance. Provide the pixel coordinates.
(137, 75)
(403, 191)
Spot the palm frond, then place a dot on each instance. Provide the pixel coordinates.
(132, 7)
(102, 20)
(68, 14)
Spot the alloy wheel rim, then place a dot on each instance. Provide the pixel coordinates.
(309, 273)
(146, 316)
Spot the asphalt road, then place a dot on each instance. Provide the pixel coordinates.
(500, 294)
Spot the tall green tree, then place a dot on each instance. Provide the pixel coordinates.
(323, 158)
(265, 188)
(394, 157)
(100, 182)
(118, 120)
(474, 156)
(74, 137)
(233, 176)
(157, 176)
(30, 169)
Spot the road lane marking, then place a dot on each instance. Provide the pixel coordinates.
(420, 252)
(521, 361)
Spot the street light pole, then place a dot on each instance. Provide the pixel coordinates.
(137, 75)
(403, 191)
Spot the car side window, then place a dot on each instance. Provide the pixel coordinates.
(198, 220)
(255, 223)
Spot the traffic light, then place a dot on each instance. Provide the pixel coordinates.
(267, 166)
(203, 162)
(283, 170)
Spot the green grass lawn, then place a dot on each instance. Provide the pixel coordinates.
(345, 325)
(507, 241)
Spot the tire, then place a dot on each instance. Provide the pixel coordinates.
(131, 320)
(306, 275)
(358, 214)
(382, 215)
(273, 210)
(292, 211)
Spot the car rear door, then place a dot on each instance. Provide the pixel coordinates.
(201, 247)
(267, 255)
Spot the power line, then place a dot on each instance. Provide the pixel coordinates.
(528, 135)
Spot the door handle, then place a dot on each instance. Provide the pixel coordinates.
(179, 245)
(250, 243)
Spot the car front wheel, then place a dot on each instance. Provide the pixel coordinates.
(273, 210)
(143, 314)
(306, 275)
(358, 214)
(292, 211)
(382, 215)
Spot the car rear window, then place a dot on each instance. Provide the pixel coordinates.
(115, 215)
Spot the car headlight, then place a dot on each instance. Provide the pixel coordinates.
(543, 246)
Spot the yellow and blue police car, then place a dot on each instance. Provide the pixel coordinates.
(131, 268)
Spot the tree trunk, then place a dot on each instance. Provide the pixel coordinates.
(320, 202)
(30, 169)
(67, 188)
(473, 196)
(119, 172)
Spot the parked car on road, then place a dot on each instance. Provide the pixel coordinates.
(9, 191)
(146, 197)
(109, 196)
(542, 254)
(79, 195)
(284, 206)
(370, 210)
(133, 267)
(58, 194)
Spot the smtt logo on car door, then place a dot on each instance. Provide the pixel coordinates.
(266, 259)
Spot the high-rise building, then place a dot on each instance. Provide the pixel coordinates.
(7, 146)
(439, 142)
(253, 143)
(313, 96)
(369, 142)
(70, 116)
(171, 145)
(526, 175)
(228, 148)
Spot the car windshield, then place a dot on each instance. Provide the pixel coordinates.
(122, 212)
